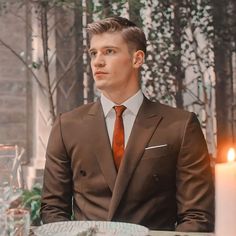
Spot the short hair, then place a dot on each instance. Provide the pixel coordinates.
(131, 33)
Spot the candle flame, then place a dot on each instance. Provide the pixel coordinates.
(231, 155)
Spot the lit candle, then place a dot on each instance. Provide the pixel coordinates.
(225, 180)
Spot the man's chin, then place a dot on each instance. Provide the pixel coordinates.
(100, 85)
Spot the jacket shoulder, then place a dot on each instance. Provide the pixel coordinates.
(174, 110)
(79, 112)
(171, 112)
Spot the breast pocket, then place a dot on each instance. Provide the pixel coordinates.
(161, 161)
(156, 151)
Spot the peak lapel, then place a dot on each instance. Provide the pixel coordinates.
(145, 124)
(102, 147)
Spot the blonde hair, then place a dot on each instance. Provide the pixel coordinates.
(133, 35)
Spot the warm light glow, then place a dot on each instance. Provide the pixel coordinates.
(231, 155)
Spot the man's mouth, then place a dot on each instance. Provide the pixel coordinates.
(100, 73)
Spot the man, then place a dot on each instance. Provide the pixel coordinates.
(147, 165)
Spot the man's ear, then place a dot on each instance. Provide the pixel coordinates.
(138, 58)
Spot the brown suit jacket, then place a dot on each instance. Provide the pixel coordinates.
(164, 181)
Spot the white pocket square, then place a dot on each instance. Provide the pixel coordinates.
(157, 146)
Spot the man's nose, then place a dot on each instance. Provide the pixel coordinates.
(99, 60)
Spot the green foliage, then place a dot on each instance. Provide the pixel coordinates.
(159, 68)
(106, 8)
(175, 30)
(31, 199)
(35, 65)
(134, 11)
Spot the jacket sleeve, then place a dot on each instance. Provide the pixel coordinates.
(56, 204)
(194, 182)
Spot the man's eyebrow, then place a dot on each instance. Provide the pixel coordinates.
(108, 46)
(91, 49)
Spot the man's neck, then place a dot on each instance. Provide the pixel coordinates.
(119, 97)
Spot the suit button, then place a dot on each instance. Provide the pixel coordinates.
(156, 177)
(83, 173)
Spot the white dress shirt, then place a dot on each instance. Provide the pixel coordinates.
(132, 107)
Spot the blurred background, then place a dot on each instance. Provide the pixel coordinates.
(44, 66)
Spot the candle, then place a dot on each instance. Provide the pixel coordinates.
(225, 180)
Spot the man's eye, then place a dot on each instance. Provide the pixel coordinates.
(92, 54)
(110, 51)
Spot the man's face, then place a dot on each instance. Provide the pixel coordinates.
(112, 64)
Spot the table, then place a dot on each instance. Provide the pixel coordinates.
(155, 233)
(163, 233)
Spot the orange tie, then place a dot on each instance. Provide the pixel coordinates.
(118, 142)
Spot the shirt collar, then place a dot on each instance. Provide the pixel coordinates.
(132, 104)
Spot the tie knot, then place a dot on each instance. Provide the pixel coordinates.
(119, 110)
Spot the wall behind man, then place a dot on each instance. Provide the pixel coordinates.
(13, 80)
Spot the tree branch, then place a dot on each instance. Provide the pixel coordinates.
(25, 64)
(44, 35)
